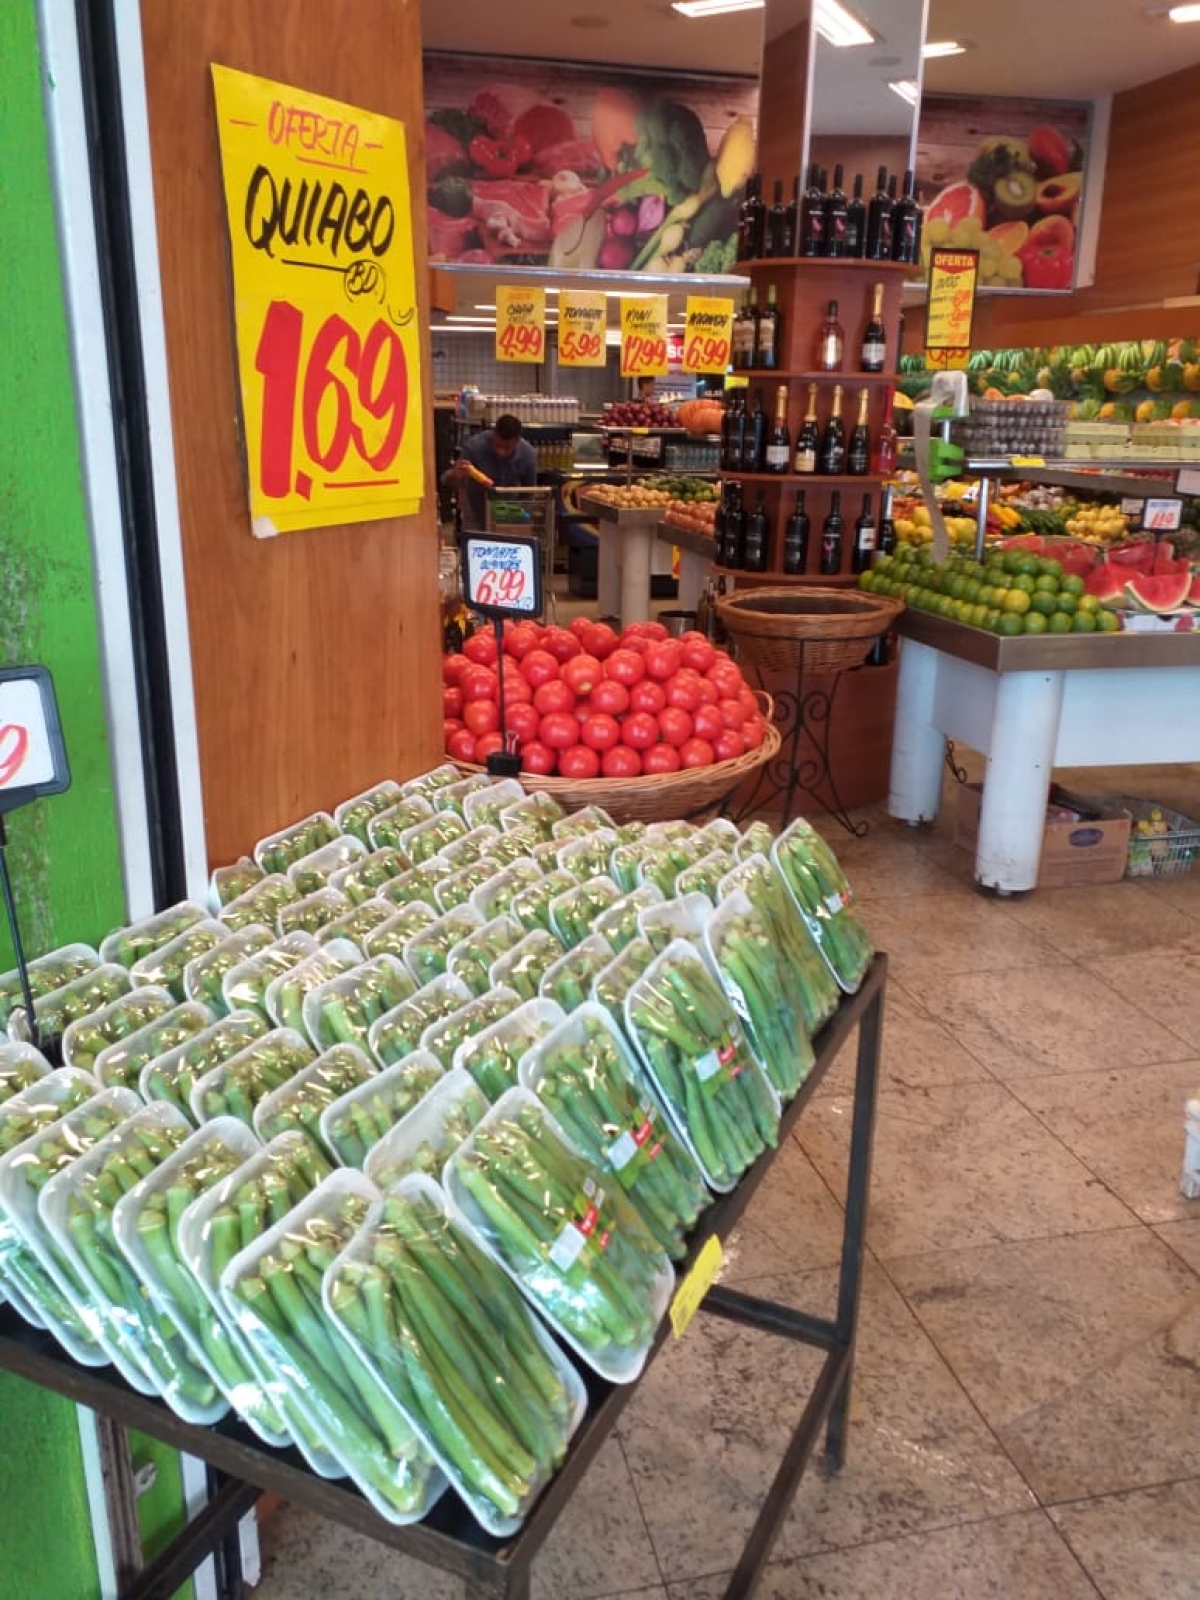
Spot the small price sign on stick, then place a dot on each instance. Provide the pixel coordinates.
(502, 577)
(33, 758)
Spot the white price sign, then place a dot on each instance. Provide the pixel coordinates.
(1162, 516)
(33, 760)
(503, 576)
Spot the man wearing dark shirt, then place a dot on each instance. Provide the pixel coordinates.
(500, 454)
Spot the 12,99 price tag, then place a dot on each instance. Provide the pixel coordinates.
(707, 334)
(502, 577)
(520, 324)
(644, 336)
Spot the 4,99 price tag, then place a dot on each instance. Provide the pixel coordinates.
(707, 334)
(502, 577)
(520, 324)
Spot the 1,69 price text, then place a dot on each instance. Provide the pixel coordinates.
(573, 346)
(518, 339)
(503, 586)
(643, 353)
(14, 747)
(706, 353)
(349, 388)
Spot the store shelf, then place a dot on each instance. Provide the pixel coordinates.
(841, 263)
(1113, 477)
(1070, 652)
(815, 479)
(763, 373)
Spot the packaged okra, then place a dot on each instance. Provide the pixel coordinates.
(129, 945)
(286, 994)
(759, 981)
(579, 824)
(391, 936)
(569, 980)
(430, 838)
(457, 887)
(467, 850)
(482, 806)
(312, 913)
(531, 905)
(203, 977)
(244, 986)
(386, 827)
(613, 982)
(821, 891)
(363, 879)
(495, 896)
(278, 851)
(537, 810)
(86, 1037)
(426, 783)
(587, 855)
(236, 1086)
(810, 980)
(575, 912)
(398, 1033)
(164, 966)
(620, 924)
(260, 904)
(354, 816)
(356, 1121)
(493, 1055)
(227, 883)
(526, 964)
(443, 1037)
(704, 877)
(357, 924)
(423, 1139)
(300, 1101)
(427, 953)
(20, 1066)
(473, 957)
(343, 1009)
(51, 971)
(684, 916)
(55, 1010)
(417, 884)
(453, 796)
(119, 1065)
(173, 1075)
(313, 872)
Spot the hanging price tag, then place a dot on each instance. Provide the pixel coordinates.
(644, 336)
(582, 325)
(707, 334)
(520, 324)
(502, 577)
(33, 758)
(696, 1285)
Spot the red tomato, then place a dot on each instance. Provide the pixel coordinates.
(621, 762)
(579, 762)
(663, 659)
(600, 640)
(697, 753)
(635, 642)
(523, 719)
(697, 651)
(580, 627)
(733, 713)
(452, 701)
(625, 666)
(600, 731)
(479, 683)
(537, 757)
(612, 697)
(451, 726)
(554, 696)
(583, 673)
(481, 716)
(520, 640)
(462, 746)
(754, 731)
(676, 725)
(481, 648)
(561, 643)
(647, 696)
(729, 745)
(655, 630)
(640, 730)
(516, 690)
(747, 699)
(538, 667)
(708, 691)
(661, 758)
(485, 745)
(684, 689)
(726, 677)
(558, 730)
(453, 667)
(708, 722)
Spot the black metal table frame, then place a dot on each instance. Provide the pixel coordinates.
(449, 1538)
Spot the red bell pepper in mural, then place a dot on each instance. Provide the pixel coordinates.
(499, 158)
(1048, 255)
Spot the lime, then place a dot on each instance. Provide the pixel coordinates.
(1046, 584)
(1083, 622)
(1088, 602)
(1035, 622)
(978, 617)
(971, 590)
(1023, 582)
(1011, 561)
(1027, 566)
(1060, 622)
(1016, 602)
(1044, 604)
(1010, 625)
(1072, 584)
(1068, 603)
(1109, 622)
(1049, 567)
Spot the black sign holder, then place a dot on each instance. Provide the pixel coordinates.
(484, 555)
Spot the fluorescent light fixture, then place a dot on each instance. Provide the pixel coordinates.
(714, 8)
(906, 88)
(839, 26)
(1184, 13)
(936, 48)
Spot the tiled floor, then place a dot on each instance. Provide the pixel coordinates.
(1026, 1410)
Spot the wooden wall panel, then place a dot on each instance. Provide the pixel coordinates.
(782, 104)
(316, 655)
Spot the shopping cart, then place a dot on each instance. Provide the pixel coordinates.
(528, 511)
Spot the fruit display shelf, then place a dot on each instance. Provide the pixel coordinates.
(1095, 477)
(628, 535)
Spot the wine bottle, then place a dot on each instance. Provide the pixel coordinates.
(874, 339)
(791, 221)
(831, 537)
(745, 332)
(776, 219)
(766, 354)
(899, 342)
(835, 216)
(719, 529)
(879, 233)
(887, 528)
(795, 539)
(862, 552)
(733, 427)
(890, 220)
(831, 342)
(735, 527)
(856, 221)
(751, 221)
(756, 550)
(812, 223)
(883, 458)
(754, 441)
(906, 223)
(778, 455)
(808, 440)
(831, 458)
(858, 451)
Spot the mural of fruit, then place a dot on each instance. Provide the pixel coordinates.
(955, 204)
(1015, 195)
(1060, 194)
(1050, 151)
(1008, 237)
(1048, 255)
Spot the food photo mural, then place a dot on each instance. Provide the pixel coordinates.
(538, 164)
(1004, 177)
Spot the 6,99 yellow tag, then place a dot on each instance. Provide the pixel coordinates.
(696, 1285)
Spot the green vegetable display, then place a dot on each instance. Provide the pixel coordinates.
(493, 1055)
(282, 850)
(131, 945)
(244, 986)
(203, 977)
(432, 836)
(390, 937)
(473, 958)
(428, 951)
(422, 1140)
(569, 981)
(57, 1008)
(355, 1122)
(574, 913)
(821, 891)
(756, 976)
(525, 965)
(312, 913)
(119, 1065)
(398, 1034)
(287, 995)
(230, 882)
(531, 905)
(20, 1066)
(357, 924)
(173, 1075)
(364, 878)
(443, 1037)
(355, 816)
(386, 827)
(417, 884)
(810, 982)
(613, 983)
(51, 971)
(300, 1101)
(344, 1009)
(314, 872)
(85, 1038)
(235, 1087)
(260, 904)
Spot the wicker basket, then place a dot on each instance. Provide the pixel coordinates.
(829, 629)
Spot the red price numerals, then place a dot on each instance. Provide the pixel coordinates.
(14, 747)
(352, 391)
(644, 354)
(573, 346)
(519, 339)
(500, 586)
(706, 353)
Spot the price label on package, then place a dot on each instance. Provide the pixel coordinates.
(520, 324)
(582, 328)
(502, 577)
(707, 334)
(33, 758)
(644, 336)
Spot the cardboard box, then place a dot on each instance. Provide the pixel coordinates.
(1094, 849)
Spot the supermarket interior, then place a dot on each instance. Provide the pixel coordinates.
(600, 801)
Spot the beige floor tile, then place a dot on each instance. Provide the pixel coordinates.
(1184, 1237)
(1081, 1352)
(1139, 1546)
(1054, 1018)
(793, 1223)
(890, 860)
(959, 1165)
(950, 933)
(705, 1432)
(1019, 1557)
(1163, 986)
(1112, 919)
(917, 1050)
(1125, 1125)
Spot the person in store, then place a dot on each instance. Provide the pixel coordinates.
(499, 453)
(645, 390)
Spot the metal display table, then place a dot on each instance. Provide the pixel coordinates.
(449, 1538)
(627, 540)
(1031, 704)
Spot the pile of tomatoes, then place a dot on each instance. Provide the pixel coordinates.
(586, 702)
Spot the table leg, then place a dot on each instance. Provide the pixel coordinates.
(608, 571)
(693, 573)
(918, 747)
(1020, 761)
(637, 559)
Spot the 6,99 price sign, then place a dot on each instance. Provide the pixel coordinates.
(520, 324)
(324, 283)
(707, 334)
(502, 576)
(644, 336)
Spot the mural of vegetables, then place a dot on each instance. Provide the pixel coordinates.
(556, 166)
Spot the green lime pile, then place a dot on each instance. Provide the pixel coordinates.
(1009, 592)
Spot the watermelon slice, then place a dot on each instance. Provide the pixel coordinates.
(1162, 595)
(1164, 558)
(1139, 556)
(1107, 582)
(1193, 597)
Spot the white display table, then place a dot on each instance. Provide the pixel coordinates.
(626, 559)
(1030, 705)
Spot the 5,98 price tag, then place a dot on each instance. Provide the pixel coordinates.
(33, 758)
(644, 337)
(582, 328)
(502, 577)
(707, 334)
(520, 324)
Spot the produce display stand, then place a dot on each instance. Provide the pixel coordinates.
(1029, 705)
(627, 539)
(449, 1538)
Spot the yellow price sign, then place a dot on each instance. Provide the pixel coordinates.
(520, 324)
(325, 303)
(950, 308)
(707, 334)
(644, 336)
(582, 326)
(695, 1286)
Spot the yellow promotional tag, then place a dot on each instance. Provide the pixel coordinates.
(644, 336)
(707, 334)
(1029, 461)
(520, 324)
(696, 1285)
(582, 323)
(950, 307)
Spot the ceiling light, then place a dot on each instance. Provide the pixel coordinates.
(907, 90)
(714, 8)
(1184, 13)
(839, 26)
(936, 48)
